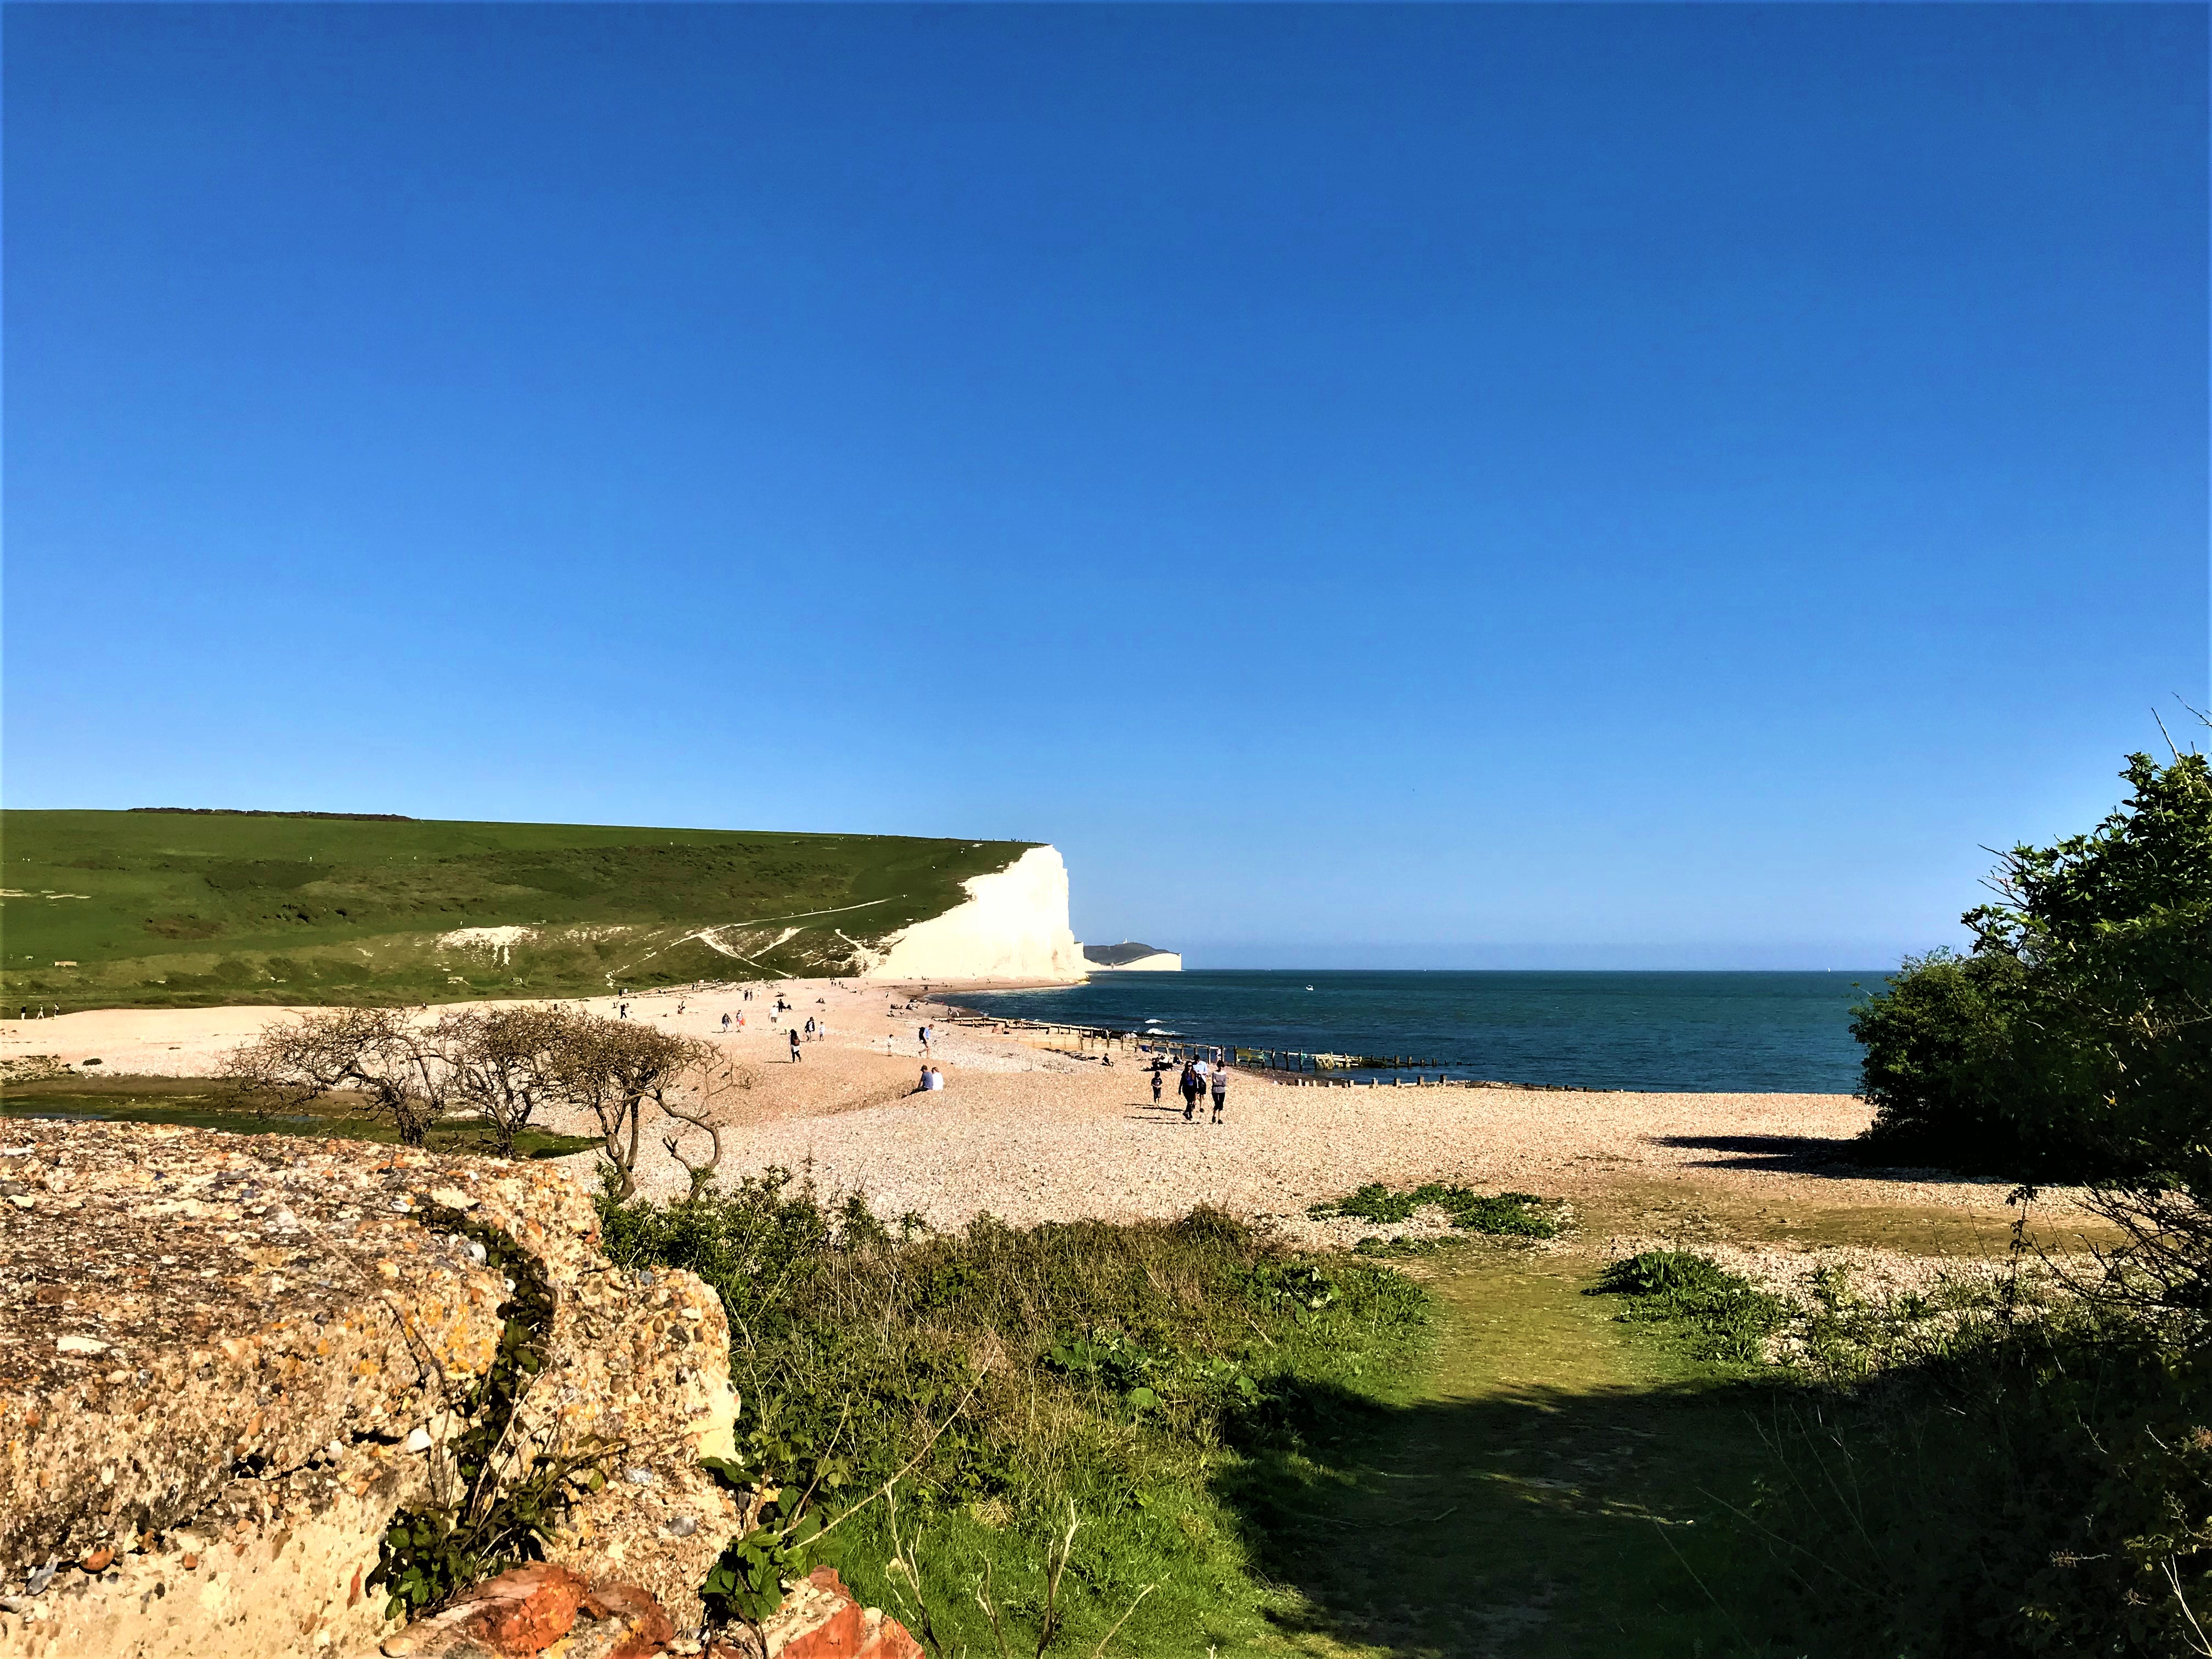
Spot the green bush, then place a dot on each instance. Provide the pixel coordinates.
(2076, 1042)
(1002, 1373)
(2038, 1486)
(1938, 1068)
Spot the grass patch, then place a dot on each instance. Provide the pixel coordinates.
(1720, 1315)
(1109, 1372)
(1511, 1214)
(1548, 1487)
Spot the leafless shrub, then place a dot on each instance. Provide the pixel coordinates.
(612, 1068)
(2161, 1271)
(697, 1100)
(504, 1062)
(398, 1069)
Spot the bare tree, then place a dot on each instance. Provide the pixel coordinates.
(697, 1100)
(396, 1068)
(504, 1062)
(612, 1067)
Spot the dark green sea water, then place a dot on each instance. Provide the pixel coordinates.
(1786, 1032)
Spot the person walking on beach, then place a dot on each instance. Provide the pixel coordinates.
(794, 1035)
(1190, 1088)
(725, 1023)
(924, 1034)
(1220, 1083)
(1155, 1088)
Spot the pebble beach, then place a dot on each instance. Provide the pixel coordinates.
(1028, 1134)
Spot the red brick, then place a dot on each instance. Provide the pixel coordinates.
(520, 1613)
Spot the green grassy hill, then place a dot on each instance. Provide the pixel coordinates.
(179, 909)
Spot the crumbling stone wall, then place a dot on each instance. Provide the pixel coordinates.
(226, 1361)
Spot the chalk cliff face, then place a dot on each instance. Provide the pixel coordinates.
(1012, 925)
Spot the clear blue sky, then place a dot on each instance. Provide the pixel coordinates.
(1432, 486)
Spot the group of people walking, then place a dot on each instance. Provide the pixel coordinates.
(816, 1028)
(1201, 1078)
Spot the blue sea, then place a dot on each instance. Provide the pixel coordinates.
(1722, 1032)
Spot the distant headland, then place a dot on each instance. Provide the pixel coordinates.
(1129, 956)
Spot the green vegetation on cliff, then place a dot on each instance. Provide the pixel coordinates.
(182, 909)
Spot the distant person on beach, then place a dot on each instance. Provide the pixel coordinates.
(794, 1035)
(1190, 1087)
(810, 1027)
(1220, 1090)
(924, 1034)
(622, 1011)
(726, 1024)
(1155, 1088)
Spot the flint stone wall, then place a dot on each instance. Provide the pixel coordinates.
(226, 1361)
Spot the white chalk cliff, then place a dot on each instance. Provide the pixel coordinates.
(1012, 925)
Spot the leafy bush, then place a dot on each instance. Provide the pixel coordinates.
(998, 1375)
(2076, 1042)
(2007, 1467)
(1938, 1068)
(2036, 1486)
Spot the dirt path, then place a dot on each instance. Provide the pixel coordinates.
(1551, 1484)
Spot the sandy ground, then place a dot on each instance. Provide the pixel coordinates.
(1028, 1135)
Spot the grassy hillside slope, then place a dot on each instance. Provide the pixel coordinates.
(179, 909)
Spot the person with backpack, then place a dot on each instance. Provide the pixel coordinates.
(1190, 1088)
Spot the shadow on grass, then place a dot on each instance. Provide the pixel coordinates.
(1532, 1522)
